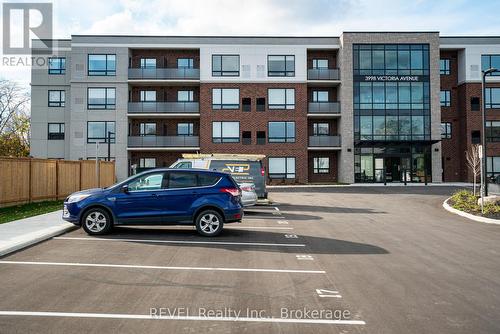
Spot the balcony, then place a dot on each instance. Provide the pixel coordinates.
(329, 108)
(324, 142)
(163, 107)
(323, 74)
(163, 142)
(164, 73)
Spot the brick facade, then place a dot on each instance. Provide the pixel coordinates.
(464, 121)
(329, 177)
(257, 121)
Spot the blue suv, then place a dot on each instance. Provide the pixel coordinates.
(205, 199)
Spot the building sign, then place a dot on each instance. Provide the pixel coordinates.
(391, 78)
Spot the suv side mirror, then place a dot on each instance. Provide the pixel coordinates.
(125, 189)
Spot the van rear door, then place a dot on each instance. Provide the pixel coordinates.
(243, 171)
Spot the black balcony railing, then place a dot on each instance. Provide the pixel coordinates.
(324, 141)
(164, 73)
(163, 141)
(323, 74)
(163, 107)
(324, 107)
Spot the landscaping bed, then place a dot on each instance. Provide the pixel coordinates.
(28, 210)
(464, 200)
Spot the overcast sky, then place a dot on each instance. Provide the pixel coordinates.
(266, 17)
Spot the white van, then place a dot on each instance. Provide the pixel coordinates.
(244, 168)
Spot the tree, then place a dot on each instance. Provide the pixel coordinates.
(14, 120)
(473, 159)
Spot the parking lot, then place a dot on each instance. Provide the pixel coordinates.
(319, 260)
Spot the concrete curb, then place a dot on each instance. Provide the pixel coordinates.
(35, 237)
(357, 185)
(448, 207)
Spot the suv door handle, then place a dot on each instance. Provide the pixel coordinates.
(154, 195)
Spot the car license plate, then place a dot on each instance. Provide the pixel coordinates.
(65, 211)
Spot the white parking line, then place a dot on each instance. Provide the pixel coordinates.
(258, 227)
(185, 242)
(176, 317)
(106, 265)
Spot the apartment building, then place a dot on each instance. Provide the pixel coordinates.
(361, 107)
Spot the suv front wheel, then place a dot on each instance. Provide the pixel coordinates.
(209, 223)
(96, 221)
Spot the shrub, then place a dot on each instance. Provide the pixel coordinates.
(464, 200)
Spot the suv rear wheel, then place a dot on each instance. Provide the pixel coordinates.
(96, 221)
(209, 223)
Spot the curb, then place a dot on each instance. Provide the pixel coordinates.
(36, 237)
(448, 207)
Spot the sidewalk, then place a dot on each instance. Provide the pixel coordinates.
(28, 231)
(395, 184)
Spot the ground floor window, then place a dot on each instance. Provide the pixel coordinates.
(493, 167)
(394, 163)
(147, 162)
(282, 168)
(321, 165)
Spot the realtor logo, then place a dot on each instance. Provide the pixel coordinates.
(23, 22)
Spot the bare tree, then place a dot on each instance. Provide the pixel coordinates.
(14, 119)
(473, 159)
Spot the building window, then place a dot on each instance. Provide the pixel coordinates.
(147, 162)
(445, 98)
(261, 104)
(147, 129)
(225, 98)
(101, 65)
(281, 66)
(226, 132)
(56, 131)
(493, 131)
(320, 96)
(185, 129)
(492, 166)
(446, 130)
(492, 98)
(246, 137)
(282, 168)
(475, 103)
(444, 66)
(57, 98)
(318, 64)
(321, 165)
(261, 137)
(185, 63)
(246, 104)
(281, 98)
(148, 96)
(475, 137)
(281, 132)
(185, 96)
(98, 132)
(490, 61)
(101, 98)
(225, 65)
(148, 63)
(57, 65)
(321, 129)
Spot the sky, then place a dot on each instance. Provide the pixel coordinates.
(264, 17)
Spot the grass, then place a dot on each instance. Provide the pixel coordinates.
(28, 210)
(464, 200)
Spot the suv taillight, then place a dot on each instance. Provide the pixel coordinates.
(262, 172)
(232, 191)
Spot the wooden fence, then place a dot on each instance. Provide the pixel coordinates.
(24, 180)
